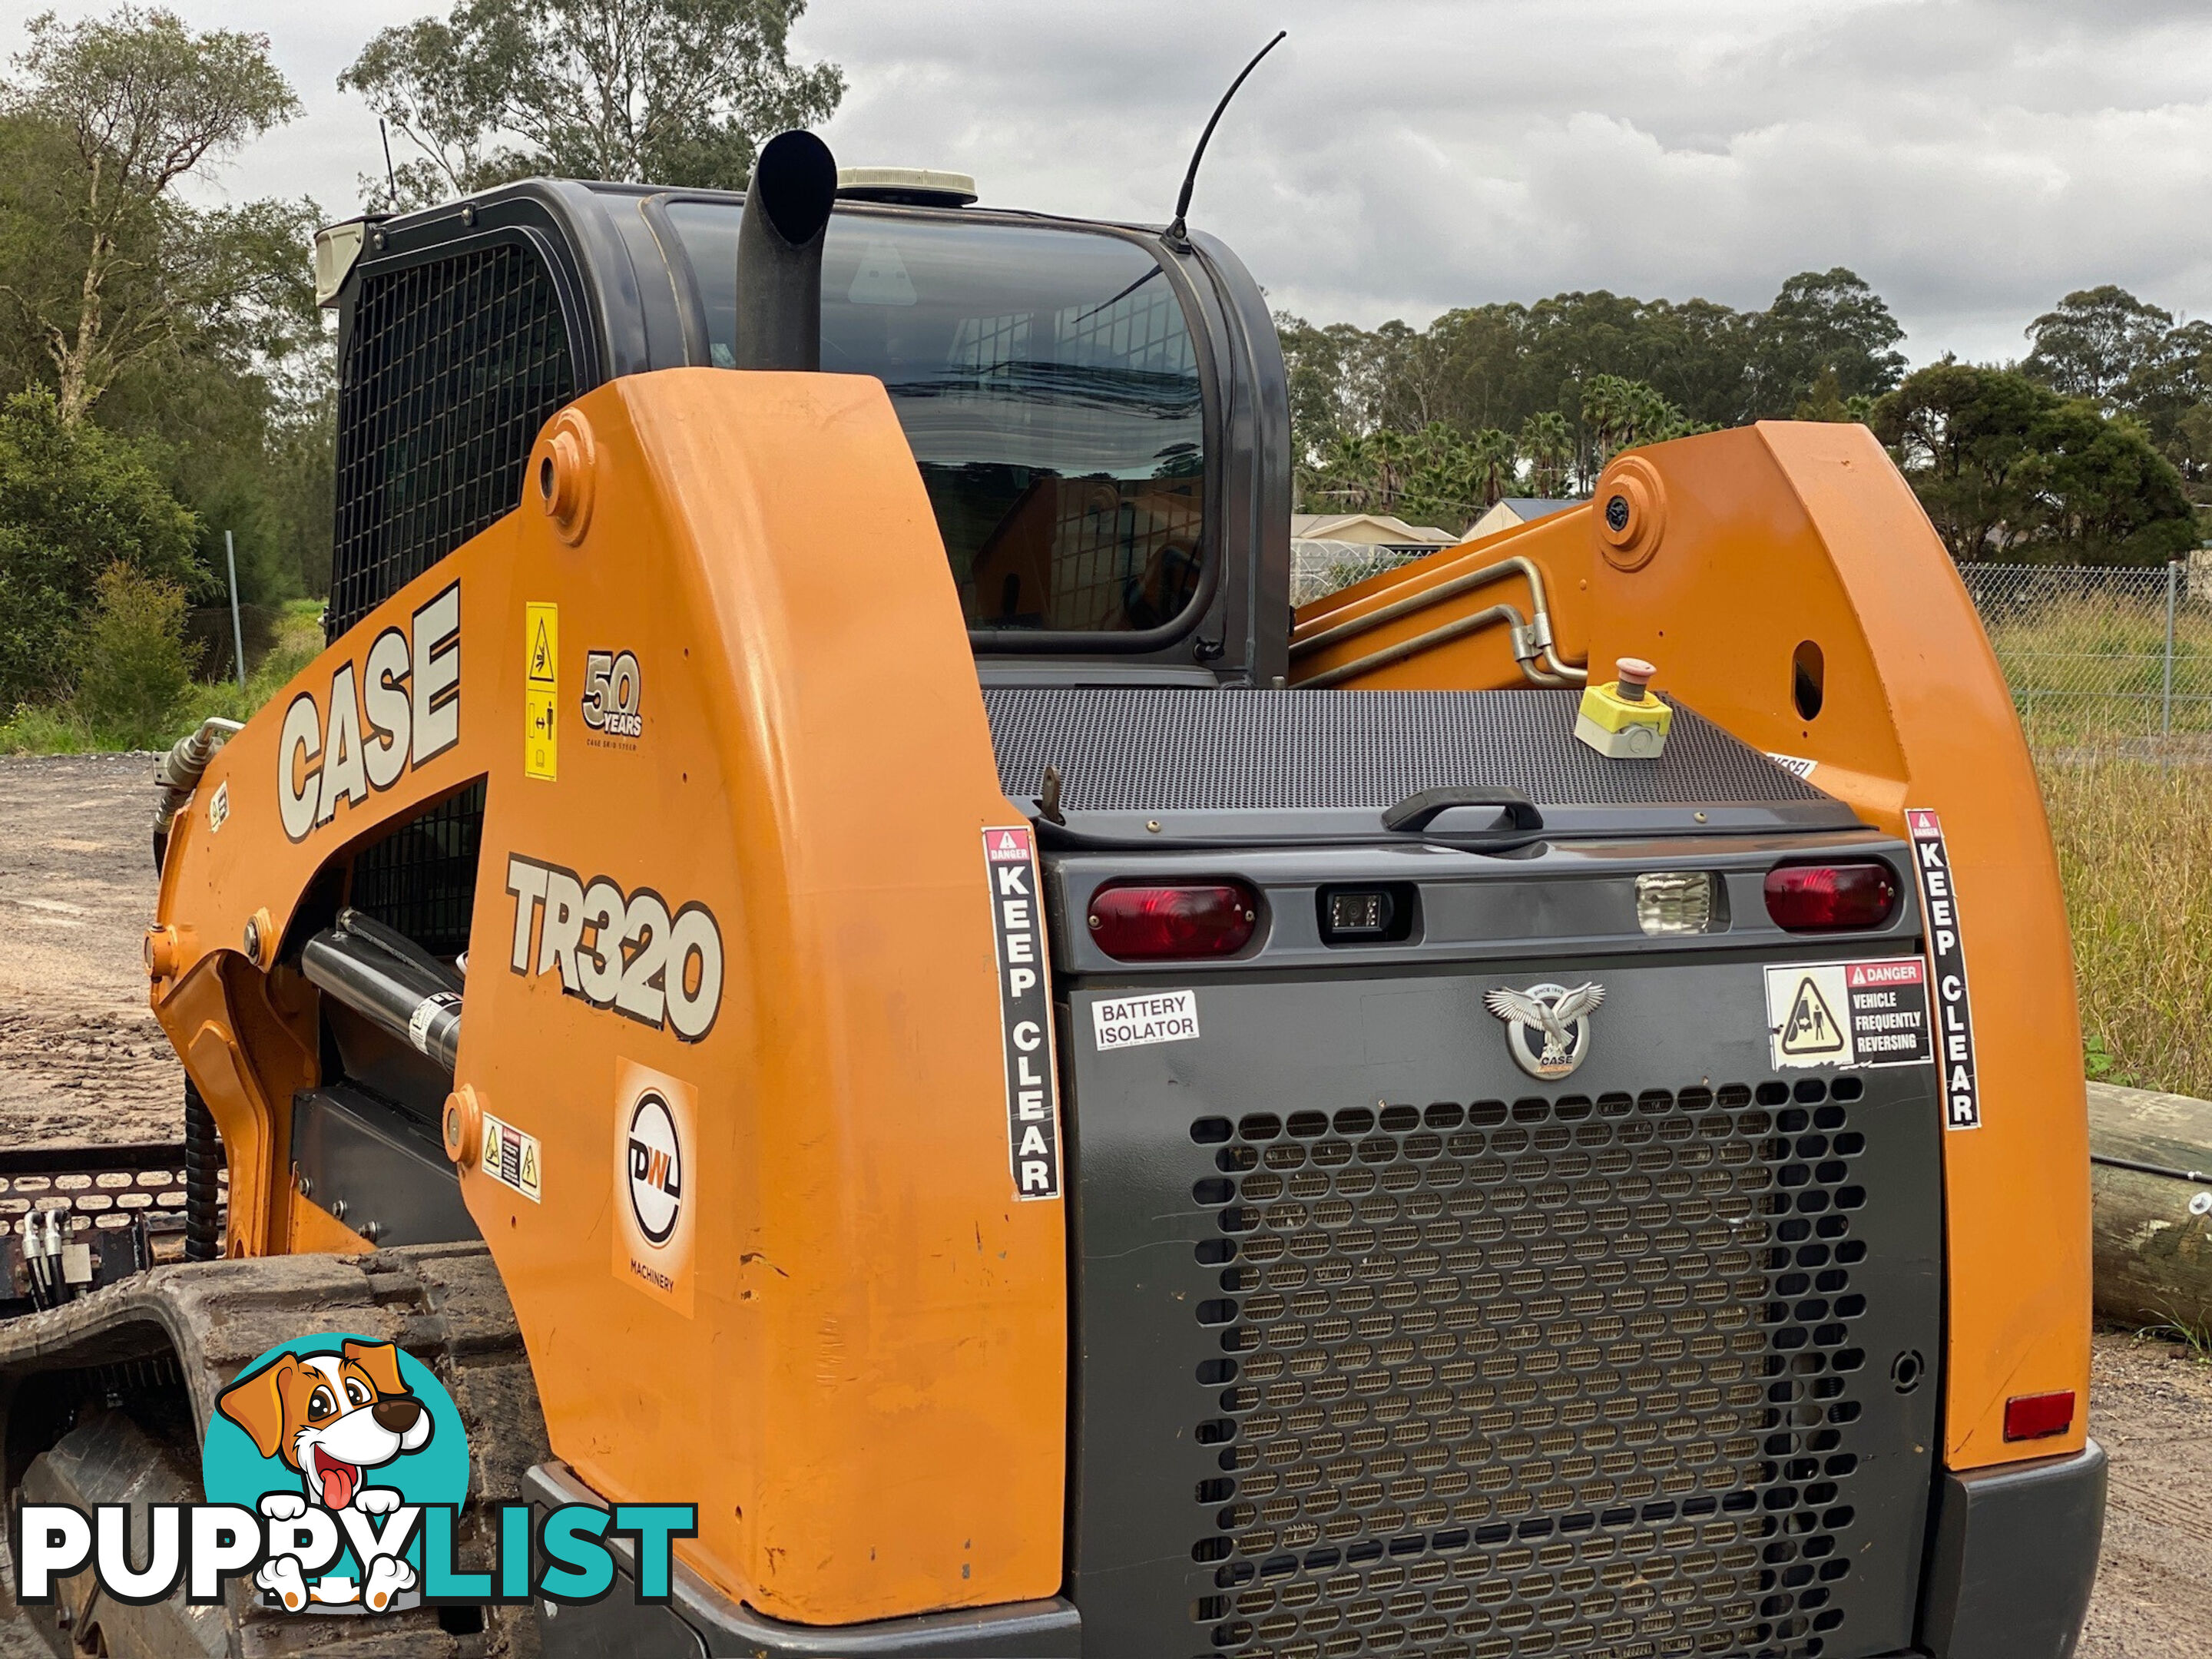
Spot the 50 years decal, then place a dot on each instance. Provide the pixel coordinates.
(627, 952)
(401, 709)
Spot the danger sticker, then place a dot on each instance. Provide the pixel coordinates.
(1947, 955)
(1850, 1013)
(1024, 1012)
(1132, 1021)
(512, 1158)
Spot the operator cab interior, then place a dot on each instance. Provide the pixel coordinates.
(1048, 383)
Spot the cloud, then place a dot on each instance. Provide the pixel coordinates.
(1972, 159)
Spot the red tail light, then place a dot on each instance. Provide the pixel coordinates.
(2038, 1416)
(1148, 922)
(1817, 898)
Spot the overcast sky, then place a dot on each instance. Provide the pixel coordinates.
(1972, 159)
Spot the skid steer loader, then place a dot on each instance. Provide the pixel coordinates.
(824, 944)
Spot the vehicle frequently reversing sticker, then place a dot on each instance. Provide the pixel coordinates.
(1946, 956)
(1024, 1012)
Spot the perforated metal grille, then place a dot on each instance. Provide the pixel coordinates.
(1163, 750)
(422, 878)
(102, 1187)
(1556, 1376)
(451, 368)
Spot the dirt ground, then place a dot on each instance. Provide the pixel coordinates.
(80, 1060)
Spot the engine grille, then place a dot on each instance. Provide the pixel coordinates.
(451, 368)
(1554, 1377)
(421, 879)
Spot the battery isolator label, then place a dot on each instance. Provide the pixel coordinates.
(1024, 1012)
(1132, 1021)
(1850, 1013)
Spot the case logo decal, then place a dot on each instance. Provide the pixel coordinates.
(400, 708)
(1548, 1027)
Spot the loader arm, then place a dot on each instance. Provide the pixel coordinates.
(1789, 587)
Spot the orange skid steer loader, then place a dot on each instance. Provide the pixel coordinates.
(823, 943)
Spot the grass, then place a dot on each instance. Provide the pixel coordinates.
(62, 729)
(2135, 850)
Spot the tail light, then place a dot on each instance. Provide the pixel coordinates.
(1149, 921)
(1821, 898)
(2038, 1416)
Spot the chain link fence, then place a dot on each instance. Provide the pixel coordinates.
(2106, 662)
(1319, 567)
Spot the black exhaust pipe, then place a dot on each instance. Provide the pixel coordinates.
(794, 185)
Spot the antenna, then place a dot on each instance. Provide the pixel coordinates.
(391, 178)
(1175, 231)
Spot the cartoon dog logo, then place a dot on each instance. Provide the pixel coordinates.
(333, 1419)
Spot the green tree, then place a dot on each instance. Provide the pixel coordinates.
(143, 101)
(2096, 343)
(1822, 323)
(1547, 443)
(1497, 465)
(675, 92)
(137, 665)
(74, 500)
(2008, 468)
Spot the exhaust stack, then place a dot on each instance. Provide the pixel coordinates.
(794, 185)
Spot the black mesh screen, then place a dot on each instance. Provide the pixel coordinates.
(422, 878)
(451, 368)
(1557, 1376)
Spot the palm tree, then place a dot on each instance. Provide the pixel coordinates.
(1549, 444)
(1497, 462)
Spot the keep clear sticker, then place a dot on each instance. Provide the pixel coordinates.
(1850, 1013)
(1024, 1012)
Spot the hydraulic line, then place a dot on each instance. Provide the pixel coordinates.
(179, 774)
(1532, 639)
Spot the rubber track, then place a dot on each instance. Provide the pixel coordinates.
(443, 1303)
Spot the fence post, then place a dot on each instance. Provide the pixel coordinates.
(2172, 593)
(238, 634)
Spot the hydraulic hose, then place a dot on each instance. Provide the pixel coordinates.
(179, 774)
(202, 1159)
(1532, 640)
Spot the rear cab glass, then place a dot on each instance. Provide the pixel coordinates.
(1046, 380)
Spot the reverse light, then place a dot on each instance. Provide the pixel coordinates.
(1675, 902)
(1150, 921)
(2038, 1416)
(1820, 898)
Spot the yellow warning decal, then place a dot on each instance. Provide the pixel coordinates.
(541, 691)
(512, 1158)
